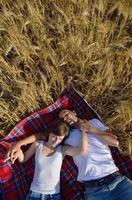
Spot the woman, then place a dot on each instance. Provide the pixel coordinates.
(49, 155)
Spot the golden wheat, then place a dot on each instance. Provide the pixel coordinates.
(44, 42)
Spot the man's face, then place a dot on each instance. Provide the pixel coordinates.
(68, 116)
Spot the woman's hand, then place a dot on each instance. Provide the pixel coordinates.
(17, 155)
(12, 152)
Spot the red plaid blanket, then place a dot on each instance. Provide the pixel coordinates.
(15, 179)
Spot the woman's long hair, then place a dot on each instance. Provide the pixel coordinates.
(57, 127)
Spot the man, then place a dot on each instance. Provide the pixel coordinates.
(96, 169)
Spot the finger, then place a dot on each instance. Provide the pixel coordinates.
(15, 157)
(12, 157)
(14, 160)
(8, 152)
(8, 158)
(84, 131)
(114, 136)
(13, 153)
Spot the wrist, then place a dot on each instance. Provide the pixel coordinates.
(84, 133)
(20, 143)
(95, 130)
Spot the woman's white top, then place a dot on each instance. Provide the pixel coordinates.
(47, 171)
(98, 161)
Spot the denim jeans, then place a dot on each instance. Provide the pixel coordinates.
(37, 196)
(119, 189)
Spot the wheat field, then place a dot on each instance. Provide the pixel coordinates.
(44, 44)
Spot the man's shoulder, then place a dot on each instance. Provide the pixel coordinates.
(98, 124)
(94, 121)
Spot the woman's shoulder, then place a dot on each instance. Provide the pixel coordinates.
(39, 143)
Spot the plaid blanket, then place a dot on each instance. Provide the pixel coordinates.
(15, 179)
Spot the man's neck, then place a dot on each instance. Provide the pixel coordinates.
(77, 123)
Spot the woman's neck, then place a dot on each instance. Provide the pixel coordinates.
(49, 146)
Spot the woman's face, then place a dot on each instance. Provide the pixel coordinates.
(55, 140)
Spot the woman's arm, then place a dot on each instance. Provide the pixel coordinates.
(28, 140)
(23, 157)
(83, 147)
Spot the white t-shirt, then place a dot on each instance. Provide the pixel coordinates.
(47, 171)
(98, 161)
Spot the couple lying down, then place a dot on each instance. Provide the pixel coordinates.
(87, 142)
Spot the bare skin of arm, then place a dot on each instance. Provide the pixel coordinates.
(14, 150)
(71, 118)
(83, 148)
(23, 157)
(66, 150)
(108, 137)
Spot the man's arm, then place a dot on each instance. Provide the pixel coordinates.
(108, 137)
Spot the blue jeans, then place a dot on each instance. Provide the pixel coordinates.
(119, 189)
(37, 196)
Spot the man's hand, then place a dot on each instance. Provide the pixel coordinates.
(112, 135)
(12, 152)
(84, 126)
